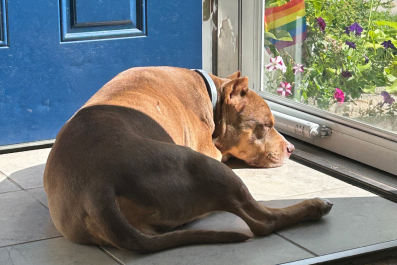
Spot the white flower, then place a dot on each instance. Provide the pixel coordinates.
(284, 89)
(276, 63)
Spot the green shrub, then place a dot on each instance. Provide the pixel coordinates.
(355, 62)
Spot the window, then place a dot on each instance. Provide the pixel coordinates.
(332, 63)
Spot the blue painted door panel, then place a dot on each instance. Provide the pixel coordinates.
(54, 55)
(105, 10)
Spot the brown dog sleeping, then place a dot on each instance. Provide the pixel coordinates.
(143, 156)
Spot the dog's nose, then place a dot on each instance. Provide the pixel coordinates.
(290, 148)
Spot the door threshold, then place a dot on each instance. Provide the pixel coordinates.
(363, 176)
(13, 148)
(357, 256)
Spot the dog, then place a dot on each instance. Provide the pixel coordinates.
(143, 156)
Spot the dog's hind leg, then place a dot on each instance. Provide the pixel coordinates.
(234, 197)
(193, 184)
(263, 220)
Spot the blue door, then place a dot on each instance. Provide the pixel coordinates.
(55, 54)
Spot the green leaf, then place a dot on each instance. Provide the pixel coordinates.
(327, 16)
(317, 5)
(331, 70)
(278, 3)
(391, 78)
(364, 67)
(304, 94)
(377, 34)
(392, 71)
(375, 46)
(390, 32)
(267, 43)
(274, 50)
(369, 89)
(316, 82)
(393, 88)
(283, 35)
(270, 35)
(372, 34)
(387, 23)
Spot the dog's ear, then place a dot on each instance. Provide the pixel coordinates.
(234, 92)
(234, 76)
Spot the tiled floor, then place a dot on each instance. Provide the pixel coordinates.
(358, 218)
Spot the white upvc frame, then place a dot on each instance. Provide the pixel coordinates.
(358, 141)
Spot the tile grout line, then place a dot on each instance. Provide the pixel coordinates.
(10, 191)
(13, 181)
(296, 244)
(110, 255)
(22, 189)
(32, 188)
(42, 203)
(32, 241)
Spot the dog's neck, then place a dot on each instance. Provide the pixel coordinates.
(218, 116)
(220, 112)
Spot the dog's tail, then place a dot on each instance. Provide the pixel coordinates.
(121, 234)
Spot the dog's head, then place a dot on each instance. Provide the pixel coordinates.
(246, 126)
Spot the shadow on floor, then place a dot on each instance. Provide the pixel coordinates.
(31, 177)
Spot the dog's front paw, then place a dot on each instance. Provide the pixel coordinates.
(320, 207)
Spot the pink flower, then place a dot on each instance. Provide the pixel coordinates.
(284, 89)
(321, 23)
(339, 96)
(298, 68)
(276, 63)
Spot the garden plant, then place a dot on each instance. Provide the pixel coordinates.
(350, 50)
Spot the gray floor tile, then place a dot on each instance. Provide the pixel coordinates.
(23, 219)
(30, 177)
(358, 219)
(355, 221)
(57, 251)
(10, 163)
(39, 193)
(7, 185)
(271, 249)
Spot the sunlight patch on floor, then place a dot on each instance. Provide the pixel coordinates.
(2, 177)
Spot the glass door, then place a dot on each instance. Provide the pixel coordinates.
(332, 62)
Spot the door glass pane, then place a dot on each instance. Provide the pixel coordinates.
(336, 55)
